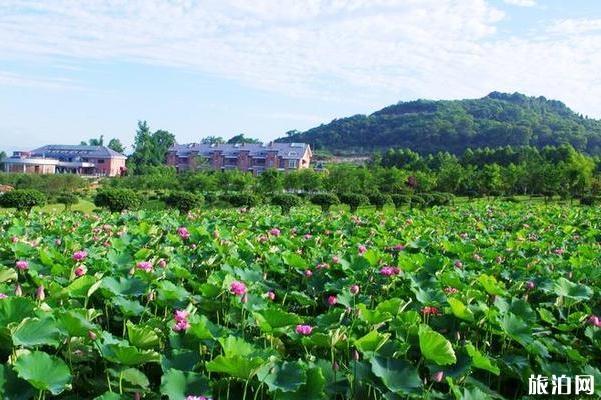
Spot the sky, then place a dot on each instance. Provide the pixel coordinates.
(73, 70)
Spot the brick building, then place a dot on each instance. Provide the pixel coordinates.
(56, 159)
(249, 157)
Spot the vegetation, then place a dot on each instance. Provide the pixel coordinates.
(353, 200)
(150, 149)
(184, 201)
(22, 199)
(457, 303)
(67, 199)
(117, 199)
(50, 185)
(496, 120)
(286, 201)
(325, 200)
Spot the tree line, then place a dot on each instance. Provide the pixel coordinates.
(505, 171)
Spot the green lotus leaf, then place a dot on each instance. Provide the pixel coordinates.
(44, 372)
(435, 347)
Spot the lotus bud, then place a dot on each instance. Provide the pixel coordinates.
(18, 290)
(437, 377)
(39, 293)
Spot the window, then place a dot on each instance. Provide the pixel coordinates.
(292, 163)
(100, 161)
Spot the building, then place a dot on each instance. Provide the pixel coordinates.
(67, 159)
(249, 157)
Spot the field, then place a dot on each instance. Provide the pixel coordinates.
(463, 302)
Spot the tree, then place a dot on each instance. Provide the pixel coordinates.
(270, 181)
(150, 149)
(212, 140)
(116, 145)
(97, 142)
(242, 139)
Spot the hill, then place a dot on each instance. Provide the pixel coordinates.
(428, 126)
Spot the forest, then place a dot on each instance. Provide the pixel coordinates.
(428, 126)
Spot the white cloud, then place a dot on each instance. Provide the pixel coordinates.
(521, 3)
(341, 49)
(11, 79)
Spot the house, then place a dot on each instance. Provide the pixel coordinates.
(250, 157)
(67, 159)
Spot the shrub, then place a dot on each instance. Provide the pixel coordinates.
(353, 200)
(325, 200)
(379, 199)
(241, 199)
(511, 199)
(417, 201)
(286, 201)
(589, 200)
(211, 198)
(22, 199)
(117, 200)
(184, 201)
(400, 200)
(67, 199)
(440, 199)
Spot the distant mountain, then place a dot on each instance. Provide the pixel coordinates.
(428, 126)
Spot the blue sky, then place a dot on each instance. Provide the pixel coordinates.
(74, 70)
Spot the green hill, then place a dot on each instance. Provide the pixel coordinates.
(427, 126)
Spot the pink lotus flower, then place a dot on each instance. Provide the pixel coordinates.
(332, 300)
(271, 295)
(39, 293)
(308, 236)
(427, 310)
(162, 263)
(458, 264)
(92, 335)
(354, 289)
(335, 259)
(3, 296)
(80, 255)
(58, 242)
(389, 271)
(304, 330)
(183, 232)
(595, 321)
(22, 265)
(451, 290)
(361, 249)
(262, 239)
(437, 377)
(530, 285)
(238, 288)
(144, 266)
(559, 251)
(275, 232)
(181, 326)
(308, 273)
(79, 271)
(192, 397)
(181, 315)
(322, 266)
(14, 239)
(398, 247)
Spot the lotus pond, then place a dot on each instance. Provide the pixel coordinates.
(445, 303)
